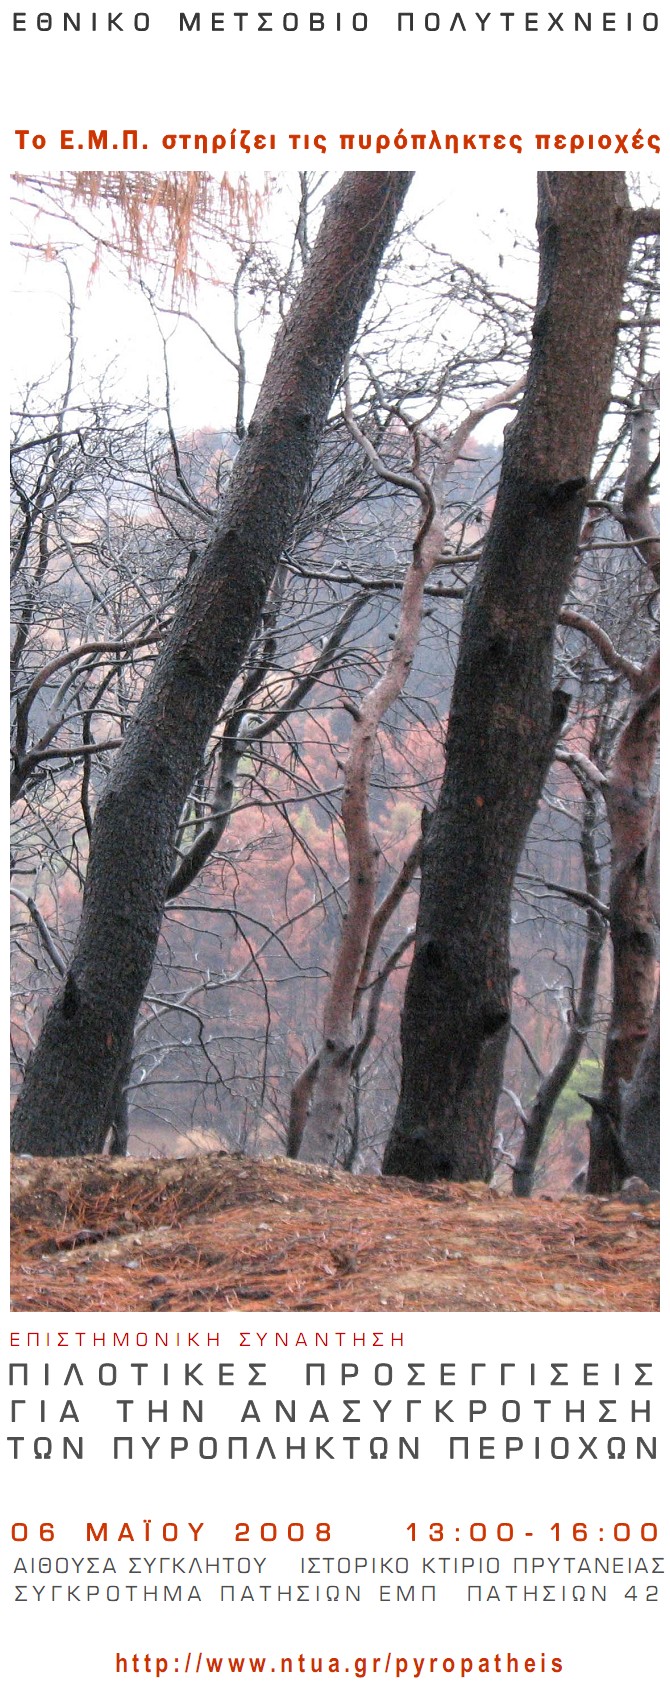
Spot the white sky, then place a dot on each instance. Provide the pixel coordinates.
(469, 216)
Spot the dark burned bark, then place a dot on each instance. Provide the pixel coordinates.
(504, 718)
(550, 1088)
(634, 897)
(119, 1112)
(641, 1105)
(641, 1108)
(69, 1089)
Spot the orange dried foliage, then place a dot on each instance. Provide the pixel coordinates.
(161, 219)
(221, 1232)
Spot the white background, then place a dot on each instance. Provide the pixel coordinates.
(368, 1504)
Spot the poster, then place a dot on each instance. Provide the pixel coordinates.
(443, 1495)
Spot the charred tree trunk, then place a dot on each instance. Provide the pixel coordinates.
(640, 1115)
(505, 718)
(625, 1136)
(119, 1109)
(64, 1107)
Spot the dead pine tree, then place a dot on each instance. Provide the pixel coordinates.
(69, 1097)
(506, 715)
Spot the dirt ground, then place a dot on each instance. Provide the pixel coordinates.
(216, 1232)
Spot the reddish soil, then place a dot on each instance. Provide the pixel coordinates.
(221, 1232)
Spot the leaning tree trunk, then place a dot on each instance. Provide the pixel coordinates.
(625, 1134)
(69, 1088)
(505, 717)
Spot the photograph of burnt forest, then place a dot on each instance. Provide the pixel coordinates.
(334, 741)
